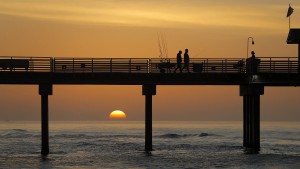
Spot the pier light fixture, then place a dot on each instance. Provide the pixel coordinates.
(248, 44)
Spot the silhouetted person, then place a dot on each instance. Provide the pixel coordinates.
(252, 65)
(186, 59)
(179, 61)
(252, 54)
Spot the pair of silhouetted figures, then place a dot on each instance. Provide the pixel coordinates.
(186, 59)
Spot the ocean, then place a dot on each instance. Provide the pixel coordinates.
(120, 144)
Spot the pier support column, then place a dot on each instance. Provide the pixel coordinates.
(44, 91)
(148, 91)
(251, 115)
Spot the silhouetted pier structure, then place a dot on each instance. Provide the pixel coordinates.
(252, 75)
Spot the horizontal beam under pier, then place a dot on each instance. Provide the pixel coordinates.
(123, 78)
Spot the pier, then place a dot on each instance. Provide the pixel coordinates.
(251, 74)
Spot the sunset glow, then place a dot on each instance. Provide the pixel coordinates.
(148, 14)
(117, 114)
(128, 29)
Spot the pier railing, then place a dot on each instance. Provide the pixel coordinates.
(144, 65)
(278, 65)
(26, 64)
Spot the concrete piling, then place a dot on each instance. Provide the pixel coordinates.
(44, 91)
(251, 115)
(148, 91)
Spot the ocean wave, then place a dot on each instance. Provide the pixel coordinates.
(19, 130)
(123, 136)
(173, 135)
(93, 136)
(16, 133)
(70, 135)
(207, 134)
(83, 143)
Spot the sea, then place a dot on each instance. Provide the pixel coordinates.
(120, 144)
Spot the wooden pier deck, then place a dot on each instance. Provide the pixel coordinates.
(271, 71)
(252, 75)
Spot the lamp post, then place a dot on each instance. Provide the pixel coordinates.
(248, 45)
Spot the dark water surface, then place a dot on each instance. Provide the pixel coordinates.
(121, 144)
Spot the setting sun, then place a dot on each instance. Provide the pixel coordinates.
(117, 114)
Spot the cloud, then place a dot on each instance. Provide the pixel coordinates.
(174, 13)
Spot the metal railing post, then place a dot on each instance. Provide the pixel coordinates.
(270, 66)
(222, 65)
(206, 65)
(150, 66)
(53, 64)
(110, 65)
(288, 65)
(30, 67)
(225, 65)
(130, 65)
(92, 65)
(73, 65)
(147, 65)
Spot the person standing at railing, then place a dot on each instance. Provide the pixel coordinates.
(179, 61)
(186, 59)
(254, 63)
(252, 54)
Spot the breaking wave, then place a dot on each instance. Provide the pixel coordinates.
(172, 135)
(15, 133)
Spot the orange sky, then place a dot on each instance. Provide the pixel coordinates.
(117, 28)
